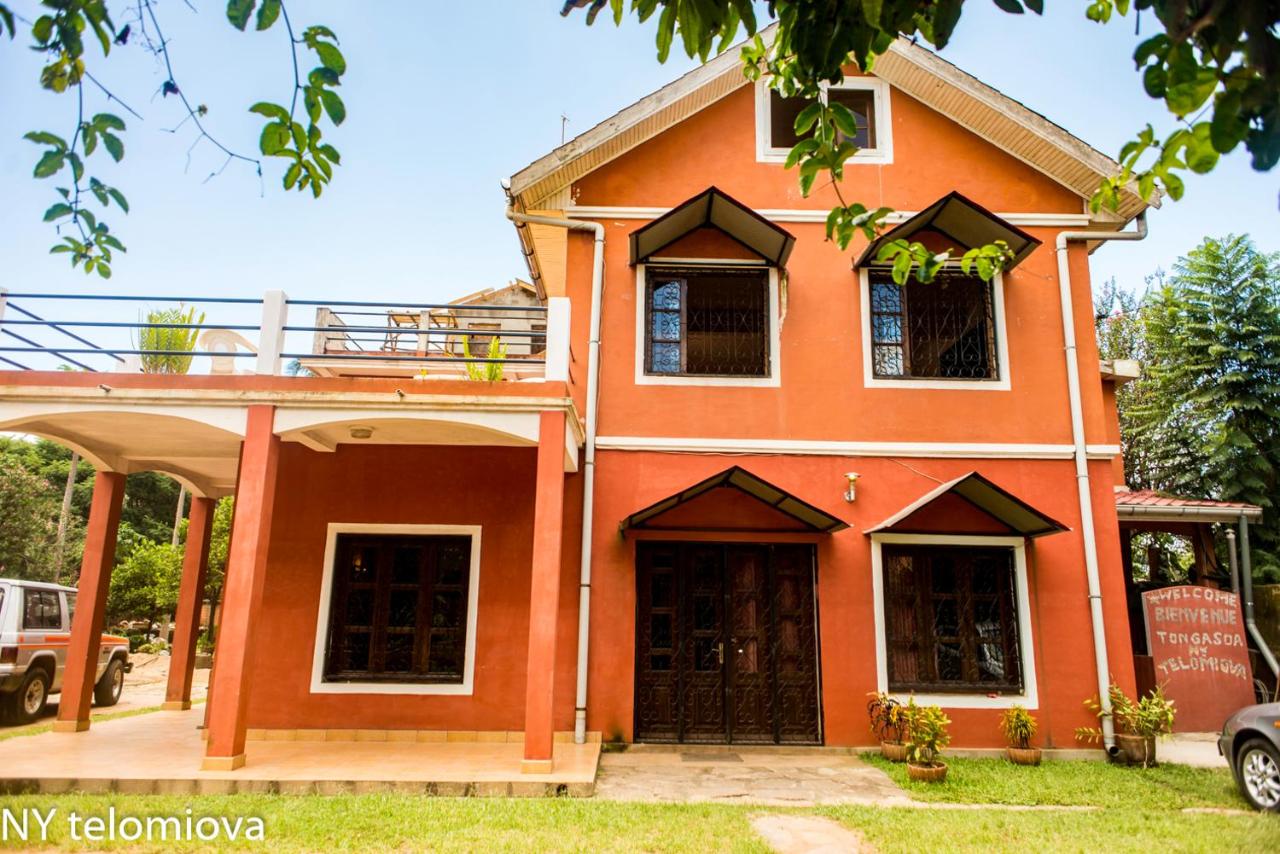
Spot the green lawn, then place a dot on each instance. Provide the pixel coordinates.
(1072, 783)
(403, 822)
(916, 830)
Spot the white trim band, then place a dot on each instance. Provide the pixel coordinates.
(819, 215)
(949, 450)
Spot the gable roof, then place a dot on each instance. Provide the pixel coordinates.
(740, 479)
(915, 70)
(1001, 505)
(717, 209)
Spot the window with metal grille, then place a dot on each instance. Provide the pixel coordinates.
(709, 322)
(398, 611)
(951, 620)
(944, 329)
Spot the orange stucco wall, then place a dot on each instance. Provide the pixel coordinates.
(490, 487)
(1059, 606)
(822, 397)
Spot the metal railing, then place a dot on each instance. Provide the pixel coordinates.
(40, 331)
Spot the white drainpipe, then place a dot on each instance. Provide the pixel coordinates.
(1082, 463)
(589, 455)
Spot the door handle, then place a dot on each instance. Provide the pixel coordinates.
(720, 654)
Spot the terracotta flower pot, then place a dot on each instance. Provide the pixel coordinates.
(1023, 755)
(894, 751)
(1136, 749)
(927, 773)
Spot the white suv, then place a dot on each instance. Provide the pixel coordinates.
(35, 632)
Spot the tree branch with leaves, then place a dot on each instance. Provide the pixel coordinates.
(60, 30)
(1216, 57)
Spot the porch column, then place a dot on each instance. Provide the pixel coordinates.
(544, 595)
(195, 567)
(242, 592)
(91, 603)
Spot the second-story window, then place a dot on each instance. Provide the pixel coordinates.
(866, 97)
(941, 330)
(711, 322)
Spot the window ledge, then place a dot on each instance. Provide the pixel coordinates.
(948, 385)
(969, 701)
(404, 688)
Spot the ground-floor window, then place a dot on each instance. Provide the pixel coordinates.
(398, 609)
(951, 619)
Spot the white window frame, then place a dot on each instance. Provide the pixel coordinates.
(1030, 696)
(772, 380)
(883, 152)
(464, 688)
(1002, 383)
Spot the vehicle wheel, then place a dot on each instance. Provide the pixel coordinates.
(28, 702)
(1258, 769)
(107, 691)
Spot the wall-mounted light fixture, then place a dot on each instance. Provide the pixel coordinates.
(851, 491)
(358, 432)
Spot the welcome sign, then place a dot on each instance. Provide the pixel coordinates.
(1196, 638)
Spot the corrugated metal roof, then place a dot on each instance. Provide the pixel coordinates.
(1151, 506)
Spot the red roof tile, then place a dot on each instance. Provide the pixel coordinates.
(1151, 498)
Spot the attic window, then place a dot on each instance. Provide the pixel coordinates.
(867, 98)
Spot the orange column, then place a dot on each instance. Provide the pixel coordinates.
(242, 592)
(544, 595)
(91, 603)
(195, 567)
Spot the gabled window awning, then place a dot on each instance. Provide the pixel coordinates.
(714, 209)
(738, 478)
(1019, 516)
(963, 222)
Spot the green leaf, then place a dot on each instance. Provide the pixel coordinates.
(268, 14)
(42, 137)
(99, 191)
(274, 139)
(41, 30)
(270, 110)
(57, 211)
(49, 164)
(103, 270)
(114, 146)
(844, 119)
(330, 153)
(666, 30)
(331, 57)
(806, 117)
(323, 77)
(119, 198)
(238, 12)
(333, 106)
(107, 120)
(1013, 7)
(291, 175)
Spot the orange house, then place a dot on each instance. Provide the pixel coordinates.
(723, 479)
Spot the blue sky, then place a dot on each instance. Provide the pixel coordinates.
(444, 100)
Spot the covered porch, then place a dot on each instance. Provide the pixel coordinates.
(161, 753)
(309, 460)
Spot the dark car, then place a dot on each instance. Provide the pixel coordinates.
(1250, 741)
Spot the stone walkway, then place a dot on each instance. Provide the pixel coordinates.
(807, 834)
(761, 776)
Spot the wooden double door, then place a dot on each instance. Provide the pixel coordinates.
(726, 644)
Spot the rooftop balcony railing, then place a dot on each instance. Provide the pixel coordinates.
(274, 335)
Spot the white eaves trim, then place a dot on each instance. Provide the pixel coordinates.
(803, 447)
(605, 212)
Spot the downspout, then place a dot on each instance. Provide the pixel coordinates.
(521, 220)
(1082, 465)
(1246, 590)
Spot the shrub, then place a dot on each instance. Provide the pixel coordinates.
(886, 717)
(926, 730)
(1018, 726)
(1148, 717)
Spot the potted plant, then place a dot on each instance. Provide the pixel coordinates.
(1019, 727)
(926, 731)
(887, 724)
(1136, 723)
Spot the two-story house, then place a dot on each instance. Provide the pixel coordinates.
(732, 480)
